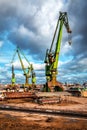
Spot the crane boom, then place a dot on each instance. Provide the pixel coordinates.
(26, 73)
(63, 19)
(23, 68)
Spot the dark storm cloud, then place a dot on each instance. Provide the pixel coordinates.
(7, 15)
(76, 69)
(32, 16)
(30, 41)
(21, 13)
(78, 14)
(13, 15)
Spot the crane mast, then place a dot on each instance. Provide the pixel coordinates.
(52, 58)
(13, 80)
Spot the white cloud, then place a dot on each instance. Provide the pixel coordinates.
(83, 61)
(20, 76)
(45, 18)
(1, 43)
(36, 66)
(39, 66)
(17, 64)
(77, 37)
(65, 48)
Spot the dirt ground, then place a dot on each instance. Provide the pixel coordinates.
(15, 121)
(25, 121)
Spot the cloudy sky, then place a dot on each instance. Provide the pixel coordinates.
(30, 24)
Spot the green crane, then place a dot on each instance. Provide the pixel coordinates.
(13, 80)
(52, 58)
(29, 71)
(26, 71)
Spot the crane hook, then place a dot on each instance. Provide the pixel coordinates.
(69, 38)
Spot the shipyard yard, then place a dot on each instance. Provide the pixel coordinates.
(52, 105)
(43, 65)
(18, 117)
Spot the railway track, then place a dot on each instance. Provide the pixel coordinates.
(45, 112)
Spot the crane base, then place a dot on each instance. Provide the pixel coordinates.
(49, 87)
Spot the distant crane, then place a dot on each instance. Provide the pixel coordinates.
(29, 71)
(52, 58)
(13, 80)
